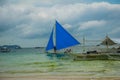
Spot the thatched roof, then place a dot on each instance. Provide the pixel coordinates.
(108, 41)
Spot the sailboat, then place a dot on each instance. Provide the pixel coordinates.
(108, 42)
(60, 39)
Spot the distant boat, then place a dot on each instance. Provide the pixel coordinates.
(12, 46)
(4, 49)
(60, 39)
(108, 42)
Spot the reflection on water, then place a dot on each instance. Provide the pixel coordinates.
(35, 61)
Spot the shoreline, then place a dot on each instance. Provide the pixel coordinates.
(58, 77)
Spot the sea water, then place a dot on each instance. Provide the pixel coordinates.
(31, 61)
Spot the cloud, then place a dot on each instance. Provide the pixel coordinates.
(35, 19)
(116, 30)
(67, 26)
(92, 24)
(2, 2)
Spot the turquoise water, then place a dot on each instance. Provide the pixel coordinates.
(36, 62)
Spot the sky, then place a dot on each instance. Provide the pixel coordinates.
(28, 23)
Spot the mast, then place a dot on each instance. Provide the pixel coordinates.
(107, 45)
(55, 37)
(107, 41)
(83, 44)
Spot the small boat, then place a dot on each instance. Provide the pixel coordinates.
(107, 42)
(108, 54)
(4, 49)
(60, 39)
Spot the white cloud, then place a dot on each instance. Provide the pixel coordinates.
(117, 40)
(116, 30)
(92, 24)
(67, 25)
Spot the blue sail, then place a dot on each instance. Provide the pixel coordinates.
(50, 44)
(63, 38)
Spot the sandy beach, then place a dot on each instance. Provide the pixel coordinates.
(49, 77)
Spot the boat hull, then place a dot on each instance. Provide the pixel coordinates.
(104, 56)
